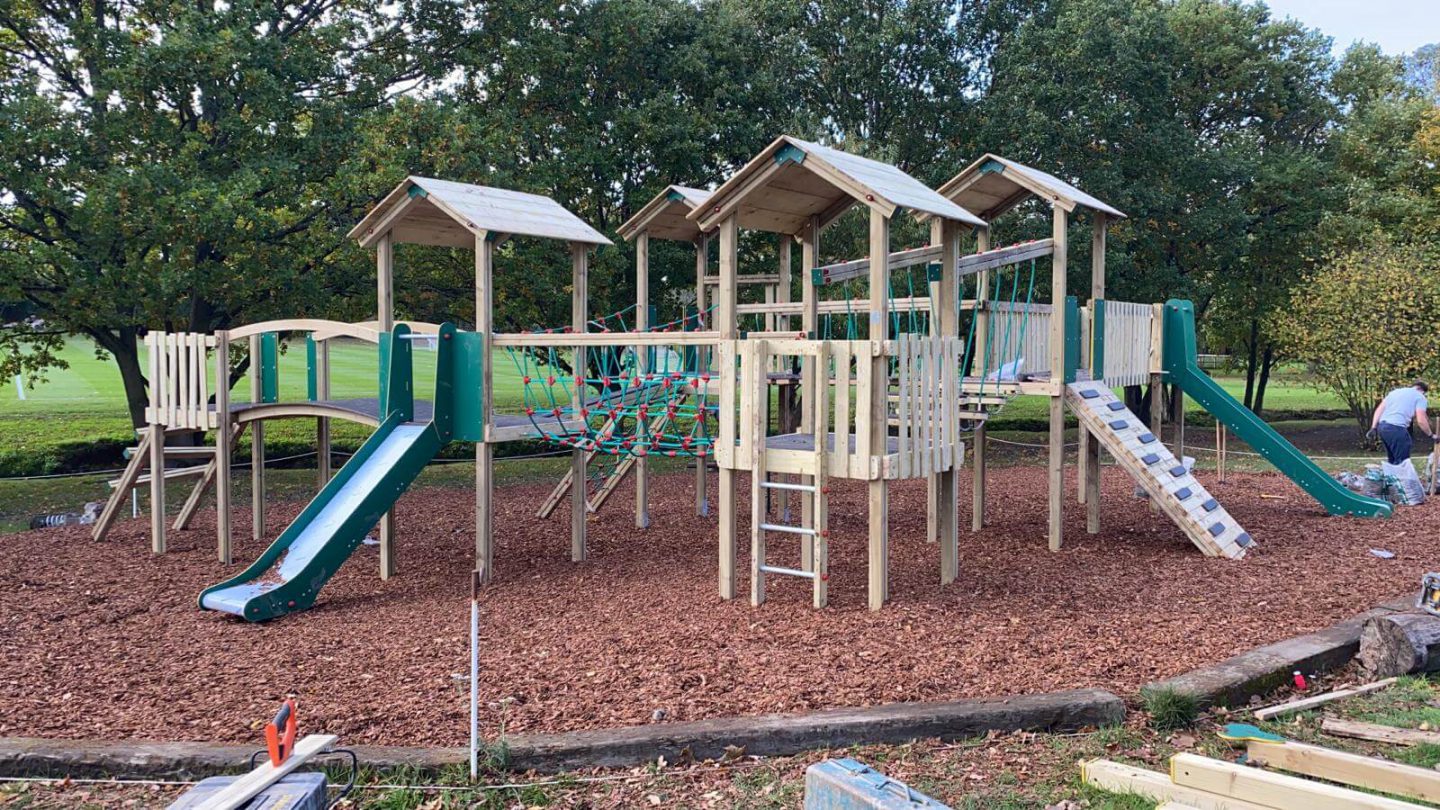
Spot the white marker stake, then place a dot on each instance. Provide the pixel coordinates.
(19, 386)
(474, 675)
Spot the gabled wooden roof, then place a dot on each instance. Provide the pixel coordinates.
(792, 180)
(664, 217)
(426, 211)
(993, 185)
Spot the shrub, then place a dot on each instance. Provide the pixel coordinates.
(1366, 322)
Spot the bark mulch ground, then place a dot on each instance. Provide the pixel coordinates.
(105, 640)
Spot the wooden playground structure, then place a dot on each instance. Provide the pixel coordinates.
(874, 387)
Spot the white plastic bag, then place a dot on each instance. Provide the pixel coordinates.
(1407, 489)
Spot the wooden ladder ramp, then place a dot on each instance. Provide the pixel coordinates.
(1162, 476)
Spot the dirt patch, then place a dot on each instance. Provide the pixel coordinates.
(105, 641)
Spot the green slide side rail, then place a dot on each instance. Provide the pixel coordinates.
(1179, 361)
(381, 491)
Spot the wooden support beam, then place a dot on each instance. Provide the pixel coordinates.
(968, 265)
(982, 332)
(224, 447)
(385, 317)
(1308, 703)
(1370, 773)
(157, 488)
(702, 361)
(484, 450)
(879, 500)
(1272, 789)
(1090, 445)
(257, 447)
(725, 322)
(642, 323)
(1375, 732)
(1057, 365)
(1118, 777)
(579, 315)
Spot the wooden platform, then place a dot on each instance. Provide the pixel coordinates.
(794, 453)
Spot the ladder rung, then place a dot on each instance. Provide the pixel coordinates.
(788, 486)
(789, 572)
(776, 527)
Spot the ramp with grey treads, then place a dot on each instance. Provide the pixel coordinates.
(1163, 476)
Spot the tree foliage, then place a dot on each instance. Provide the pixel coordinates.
(1366, 321)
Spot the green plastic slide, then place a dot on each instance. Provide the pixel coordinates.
(1181, 369)
(291, 572)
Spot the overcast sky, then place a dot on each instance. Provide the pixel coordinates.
(1397, 26)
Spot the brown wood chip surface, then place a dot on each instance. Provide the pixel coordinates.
(104, 640)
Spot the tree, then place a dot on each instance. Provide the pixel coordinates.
(181, 165)
(1365, 323)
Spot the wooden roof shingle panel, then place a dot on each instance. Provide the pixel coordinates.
(981, 187)
(664, 216)
(478, 209)
(772, 181)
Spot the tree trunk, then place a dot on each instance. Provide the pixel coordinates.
(1267, 362)
(1400, 644)
(1251, 362)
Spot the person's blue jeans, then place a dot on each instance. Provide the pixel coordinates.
(1397, 442)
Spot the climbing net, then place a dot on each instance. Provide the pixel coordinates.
(632, 400)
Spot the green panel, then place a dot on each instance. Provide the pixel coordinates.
(269, 367)
(992, 166)
(1072, 337)
(933, 272)
(445, 381)
(790, 153)
(1179, 360)
(1097, 339)
(397, 393)
(817, 277)
(675, 196)
(416, 191)
(312, 372)
(382, 352)
(467, 420)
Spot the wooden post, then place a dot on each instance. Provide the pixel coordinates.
(725, 323)
(982, 332)
(257, 447)
(642, 324)
(756, 424)
(1090, 456)
(1177, 417)
(879, 500)
(1057, 380)
(223, 440)
(322, 424)
(815, 396)
(932, 483)
(947, 483)
(385, 314)
(578, 316)
(484, 450)
(702, 263)
(157, 486)
(819, 502)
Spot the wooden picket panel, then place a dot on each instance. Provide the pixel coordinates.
(179, 368)
(1128, 337)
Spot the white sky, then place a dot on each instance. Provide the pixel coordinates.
(1397, 26)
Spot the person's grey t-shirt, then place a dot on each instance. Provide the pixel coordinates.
(1400, 406)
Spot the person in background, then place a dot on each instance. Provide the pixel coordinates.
(1392, 420)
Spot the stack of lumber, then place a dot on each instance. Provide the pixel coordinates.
(1201, 783)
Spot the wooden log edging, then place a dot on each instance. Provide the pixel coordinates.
(770, 735)
(1259, 671)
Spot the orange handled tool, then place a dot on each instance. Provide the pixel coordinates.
(280, 733)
